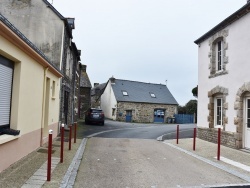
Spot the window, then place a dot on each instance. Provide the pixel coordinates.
(218, 112)
(6, 74)
(125, 93)
(219, 60)
(53, 89)
(152, 95)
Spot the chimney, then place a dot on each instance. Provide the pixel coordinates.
(96, 84)
(83, 68)
(112, 80)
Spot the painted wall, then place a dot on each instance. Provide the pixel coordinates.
(38, 23)
(238, 71)
(108, 102)
(27, 105)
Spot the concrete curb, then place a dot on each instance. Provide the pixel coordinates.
(70, 176)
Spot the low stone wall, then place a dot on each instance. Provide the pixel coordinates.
(211, 135)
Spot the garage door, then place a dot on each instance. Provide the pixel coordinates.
(6, 74)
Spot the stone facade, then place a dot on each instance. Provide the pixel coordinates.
(84, 100)
(85, 90)
(143, 112)
(221, 35)
(227, 138)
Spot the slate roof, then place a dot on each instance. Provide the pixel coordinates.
(101, 87)
(84, 81)
(232, 18)
(140, 92)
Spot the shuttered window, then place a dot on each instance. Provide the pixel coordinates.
(6, 74)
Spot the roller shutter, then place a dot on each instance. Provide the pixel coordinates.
(6, 74)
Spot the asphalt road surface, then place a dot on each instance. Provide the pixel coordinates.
(139, 163)
(128, 155)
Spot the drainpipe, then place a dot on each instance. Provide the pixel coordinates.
(43, 103)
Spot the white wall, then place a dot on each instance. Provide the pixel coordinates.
(108, 101)
(238, 68)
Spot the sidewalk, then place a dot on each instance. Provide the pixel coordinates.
(31, 171)
(236, 162)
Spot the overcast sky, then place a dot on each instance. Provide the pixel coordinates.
(144, 40)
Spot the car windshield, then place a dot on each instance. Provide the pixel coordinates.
(97, 111)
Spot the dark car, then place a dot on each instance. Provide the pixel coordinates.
(94, 115)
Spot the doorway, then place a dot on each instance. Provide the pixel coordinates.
(159, 115)
(128, 115)
(247, 124)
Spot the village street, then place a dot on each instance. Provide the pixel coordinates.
(130, 156)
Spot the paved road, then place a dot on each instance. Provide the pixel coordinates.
(128, 155)
(113, 129)
(129, 163)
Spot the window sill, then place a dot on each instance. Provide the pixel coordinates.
(218, 74)
(7, 138)
(53, 98)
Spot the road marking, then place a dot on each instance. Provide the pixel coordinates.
(234, 163)
(219, 166)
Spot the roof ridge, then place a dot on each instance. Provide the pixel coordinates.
(140, 82)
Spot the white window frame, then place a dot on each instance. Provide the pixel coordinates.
(219, 56)
(216, 112)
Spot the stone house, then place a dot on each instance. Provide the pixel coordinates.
(224, 81)
(44, 26)
(26, 75)
(96, 93)
(85, 88)
(132, 101)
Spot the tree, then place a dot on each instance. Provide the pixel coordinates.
(181, 109)
(191, 107)
(195, 91)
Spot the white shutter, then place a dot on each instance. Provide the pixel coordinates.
(5, 94)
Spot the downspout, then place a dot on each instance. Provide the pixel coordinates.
(43, 103)
(61, 79)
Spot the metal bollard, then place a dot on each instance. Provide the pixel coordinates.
(49, 155)
(62, 143)
(194, 140)
(75, 127)
(177, 135)
(70, 135)
(219, 139)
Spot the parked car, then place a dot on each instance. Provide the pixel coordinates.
(94, 115)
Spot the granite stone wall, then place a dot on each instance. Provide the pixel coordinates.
(211, 134)
(143, 112)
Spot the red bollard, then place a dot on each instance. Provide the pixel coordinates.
(70, 133)
(219, 137)
(49, 155)
(177, 135)
(194, 140)
(75, 132)
(62, 143)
